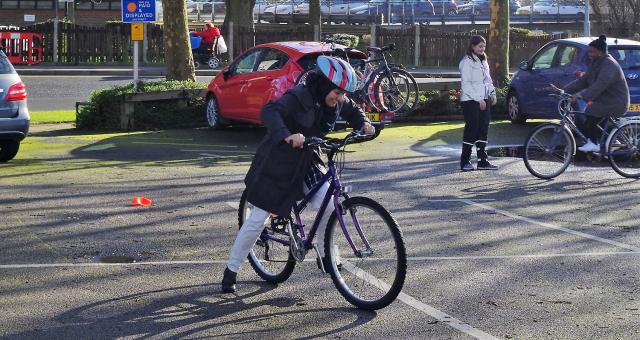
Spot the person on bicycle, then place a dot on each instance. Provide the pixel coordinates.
(209, 36)
(477, 96)
(282, 170)
(605, 90)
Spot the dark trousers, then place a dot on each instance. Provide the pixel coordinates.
(588, 125)
(476, 129)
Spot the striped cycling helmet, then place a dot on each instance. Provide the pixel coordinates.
(339, 72)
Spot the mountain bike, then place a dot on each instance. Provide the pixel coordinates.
(368, 260)
(549, 148)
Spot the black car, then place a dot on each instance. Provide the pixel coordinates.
(14, 115)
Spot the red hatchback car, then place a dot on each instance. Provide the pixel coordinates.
(259, 75)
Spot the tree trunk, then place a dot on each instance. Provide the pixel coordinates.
(315, 16)
(177, 49)
(240, 12)
(498, 44)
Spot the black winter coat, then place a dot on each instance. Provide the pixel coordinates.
(275, 179)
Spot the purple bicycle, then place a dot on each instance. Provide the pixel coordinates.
(368, 261)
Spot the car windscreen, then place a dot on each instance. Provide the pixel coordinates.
(627, 56)
(5, 65)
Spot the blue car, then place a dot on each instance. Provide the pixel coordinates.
(560, 62)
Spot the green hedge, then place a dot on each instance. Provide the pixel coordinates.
(447, 103)
(103, 110)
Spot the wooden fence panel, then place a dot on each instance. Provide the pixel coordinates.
(111, 44)
(403, 38)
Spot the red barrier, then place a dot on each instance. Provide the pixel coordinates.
(22, 48)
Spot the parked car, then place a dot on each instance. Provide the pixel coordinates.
(334, 7)
(14, 115)
(259, 75)
(445, 7)
(397, 10)
(560, 62)
(283, 8)
(554, 7)
(483, 7)
(206, 6)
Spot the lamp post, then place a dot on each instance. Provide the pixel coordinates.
(55, 32)
(587, 22)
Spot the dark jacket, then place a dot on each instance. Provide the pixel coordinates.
(275, 179)
(605, 86)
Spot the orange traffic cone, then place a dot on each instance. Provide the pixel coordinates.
(141, 201)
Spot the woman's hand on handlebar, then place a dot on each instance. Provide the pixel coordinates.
(296, 140)
(367, 129)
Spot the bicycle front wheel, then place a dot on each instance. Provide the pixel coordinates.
(271, 260)
(371, 276)
(548, 150)
(623, 150)
(396, 91)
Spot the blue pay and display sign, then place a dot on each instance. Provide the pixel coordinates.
(138, 10)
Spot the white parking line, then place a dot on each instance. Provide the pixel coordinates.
(550, 226)
(415, 303)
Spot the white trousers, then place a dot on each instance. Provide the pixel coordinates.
(258, 219)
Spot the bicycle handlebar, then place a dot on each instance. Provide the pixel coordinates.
(337, 143)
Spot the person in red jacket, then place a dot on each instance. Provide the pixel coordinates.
(209, 36)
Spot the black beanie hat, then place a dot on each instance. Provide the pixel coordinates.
(600, 43)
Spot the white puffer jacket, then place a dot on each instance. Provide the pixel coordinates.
(476, 80)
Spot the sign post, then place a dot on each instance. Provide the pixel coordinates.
(137, 12)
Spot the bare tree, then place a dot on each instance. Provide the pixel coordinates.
(240, 12)
(498, 49)
(177, 50)
(617, 17)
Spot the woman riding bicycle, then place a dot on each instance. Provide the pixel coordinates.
(604, 88)
(282, 170)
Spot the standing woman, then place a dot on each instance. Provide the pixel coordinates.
(478, 95)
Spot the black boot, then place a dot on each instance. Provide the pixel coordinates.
(483, 163)
(465, 164)
(229, 281)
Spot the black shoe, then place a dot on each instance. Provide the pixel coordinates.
(229, 281)
(466, 167)
(326, 263)
(484, 164)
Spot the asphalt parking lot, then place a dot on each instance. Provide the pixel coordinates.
(496, 254)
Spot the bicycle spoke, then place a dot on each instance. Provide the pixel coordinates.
(368, 266)
(548, 151)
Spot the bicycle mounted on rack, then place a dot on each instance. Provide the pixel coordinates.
(382, 86)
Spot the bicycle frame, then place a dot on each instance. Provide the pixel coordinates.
(564, 106)
(334, 193)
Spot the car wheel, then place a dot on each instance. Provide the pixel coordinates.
(213, 113)
(196, 64)
(514, 110)
(580, 14)
(453, 12)
(213, 62)
(8, 150)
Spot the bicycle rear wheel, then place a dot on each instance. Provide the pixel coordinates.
(271, 260)
(623, 150)
(396, 91)
(548, 150)
(373, 276)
